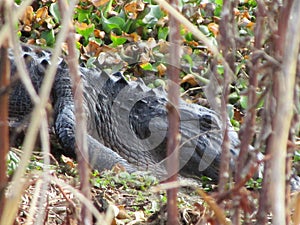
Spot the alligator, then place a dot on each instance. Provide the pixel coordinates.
(126, 120)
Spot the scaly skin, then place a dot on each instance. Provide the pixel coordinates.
(126, 121)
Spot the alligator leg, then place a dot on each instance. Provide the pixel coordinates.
(100, 156)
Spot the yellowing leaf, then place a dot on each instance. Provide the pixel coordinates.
(250, 25)
(132, 8)
(164, 47)
(99, 34)
(93, 49)
(122, 213)
(68, 161)
(118, 168)
(31, 41)
(41, 14)
(214, 28)
(132, 37)
(83, 26)
(146, 66)
(236, 12)
(247, 15)
(193, 43)
(238, 115)
(245, 22)
(99, 3)
(28, 16)
(189, 78)
(161, 68)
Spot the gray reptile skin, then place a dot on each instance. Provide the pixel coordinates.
(126, 121)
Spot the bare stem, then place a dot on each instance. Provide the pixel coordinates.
(283, 92)
(80, 121)
(173, 117)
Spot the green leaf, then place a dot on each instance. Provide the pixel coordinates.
(219, 2)
(153, 15)
(163, 33)
(12, 162)
(149, 1)
(117, 21)
(218, 10)
(159, 83)
(91, 62)
(220, 69)
(244, 101)
(189, 36)
(146, 66)
(189, 59)
(127, 27)
(114, 24)
(253, 3)
(106, 8)
(204, 30)
(83, 15)
(235, 124)
(233, 97)
(297, 156)
(86, 32)
(230, 111)
(49, 36)
(54, 10)
(261, 102)
(151, 85)
(219, 5)
(117, 40)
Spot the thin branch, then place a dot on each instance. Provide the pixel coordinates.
(80, 121)
(260, 35)
(227, 46)
(19, 61)
(4, 131)
(173, 116)
(44, 134)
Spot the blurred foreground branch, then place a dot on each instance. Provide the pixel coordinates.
(283, 93)
(4, 136)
